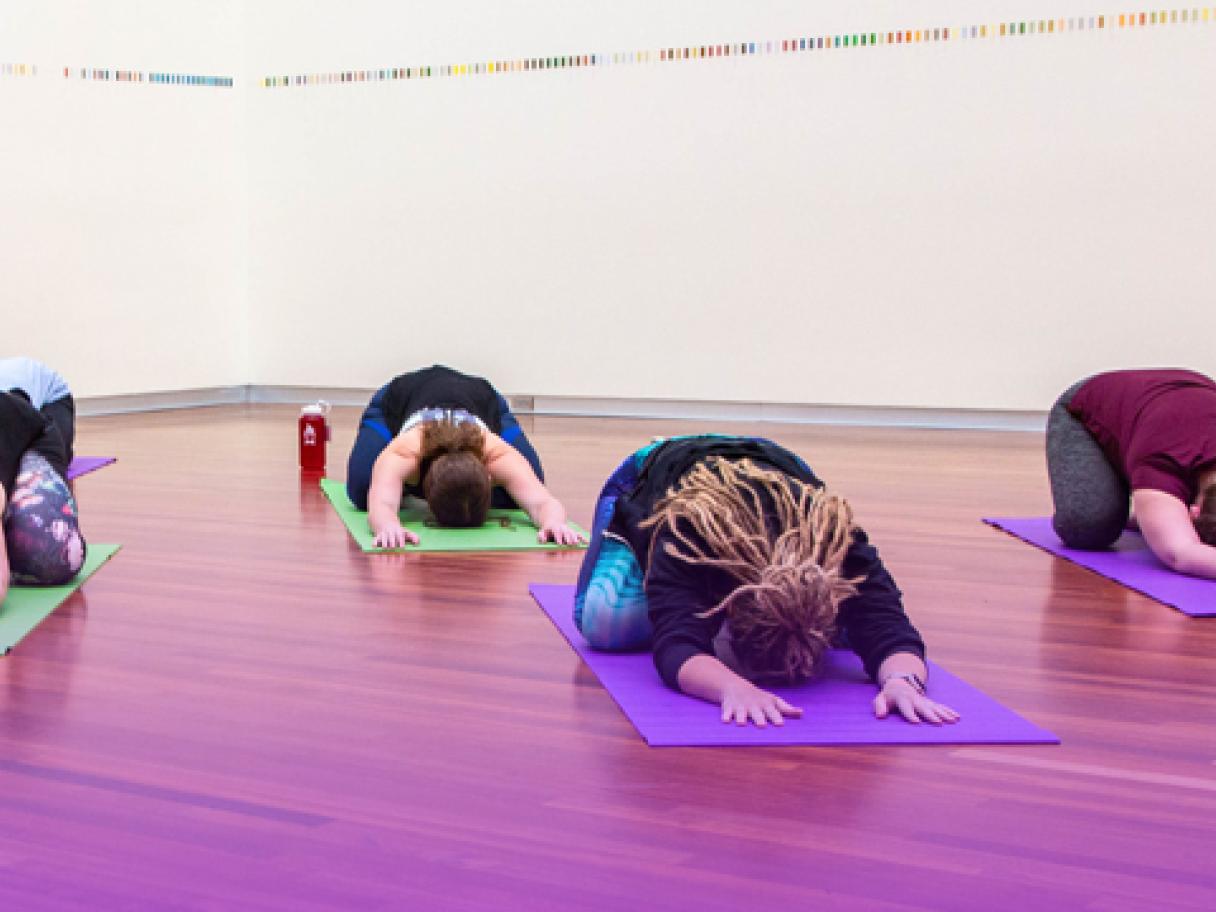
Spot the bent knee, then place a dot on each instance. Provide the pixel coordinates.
(51, 561)
(1088, 535)
(357, 495)
(612, 621)
(54, 572)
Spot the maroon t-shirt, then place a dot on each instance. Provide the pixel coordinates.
(1157, 427)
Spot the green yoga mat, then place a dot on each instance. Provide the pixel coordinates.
(505, 530)
(25, 607)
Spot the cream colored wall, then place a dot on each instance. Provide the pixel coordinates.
(123, 224)
(969, 224)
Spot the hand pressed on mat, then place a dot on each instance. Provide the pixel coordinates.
(394, 535)
(902, 677)
(560, 533)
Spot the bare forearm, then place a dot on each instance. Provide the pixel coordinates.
(549, 512)
(742, 702)
(381, 510)
(1195, 559)
(901, 663)
(383, 500)
(706, 678)
(1170, 533)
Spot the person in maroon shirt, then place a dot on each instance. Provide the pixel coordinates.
(1142, 442)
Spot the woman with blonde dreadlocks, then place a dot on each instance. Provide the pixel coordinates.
(728, 559)
(450, 438)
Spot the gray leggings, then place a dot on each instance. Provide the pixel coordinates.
(1091, 497)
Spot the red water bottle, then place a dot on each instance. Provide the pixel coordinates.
(314, 435)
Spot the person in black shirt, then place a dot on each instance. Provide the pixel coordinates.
(728, 559)
(451, 439)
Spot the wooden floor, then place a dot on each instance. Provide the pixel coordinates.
(242, 711)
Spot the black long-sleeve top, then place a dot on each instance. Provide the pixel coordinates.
(871, 622)
(22, 427)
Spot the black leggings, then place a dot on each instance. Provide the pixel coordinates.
(62, 413)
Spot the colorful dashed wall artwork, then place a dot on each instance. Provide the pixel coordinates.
(98, 74)
(17, 69)
(1016, 29)
(93, 74)
(819, 42)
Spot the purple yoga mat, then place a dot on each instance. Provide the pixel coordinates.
(83, 465)
(838, 704)
(1129, 562)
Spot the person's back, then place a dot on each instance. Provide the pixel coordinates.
(439, 387)
(40, 383)
(425, 396)
(1157, 427)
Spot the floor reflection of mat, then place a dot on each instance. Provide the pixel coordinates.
(25, 607)
(1128, 562)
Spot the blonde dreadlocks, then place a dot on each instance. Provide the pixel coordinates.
(784, 540)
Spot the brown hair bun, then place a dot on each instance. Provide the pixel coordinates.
(455, 480)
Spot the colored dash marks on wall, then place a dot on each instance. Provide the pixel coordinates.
(93, 74)
(819, 42)
(17, 70)
(189, 79)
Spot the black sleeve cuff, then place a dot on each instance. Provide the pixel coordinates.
(914, 646)
(671, 659)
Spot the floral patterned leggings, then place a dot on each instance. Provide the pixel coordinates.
(41, 528)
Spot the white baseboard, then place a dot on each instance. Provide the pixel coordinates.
(303, 395)
(669, 409)
(152, 402)
(789, 413)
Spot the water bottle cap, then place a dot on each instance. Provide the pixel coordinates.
(320, 407)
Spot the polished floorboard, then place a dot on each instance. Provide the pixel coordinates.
(242, 711)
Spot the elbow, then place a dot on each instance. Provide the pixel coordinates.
(1188, 561)
(1173, 559)
(1184, 564)
(1173, 553)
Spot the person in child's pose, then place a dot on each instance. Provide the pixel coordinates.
(46, 391)
(1139, 442)
(731, 562)
(41, 542)
(451, 439)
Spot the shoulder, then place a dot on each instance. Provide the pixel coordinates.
(408, 443)
(504, 461)
(22, 370)
(496, 447)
